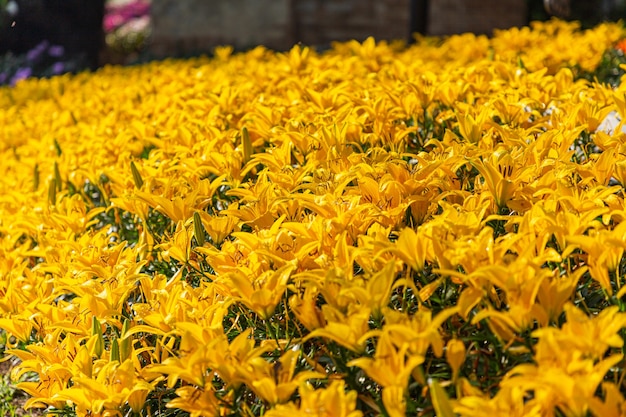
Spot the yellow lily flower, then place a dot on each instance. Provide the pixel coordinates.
(332, 401)
(275, 383)
(347, 330)
(391, 365)
(419, 331)
(305, 308)
(413, 248)
(508, 401)
(613, 405)
(569, 379)
(471, 127)
(503, 175)
(263, 294)
(197, 402)
(114, 385)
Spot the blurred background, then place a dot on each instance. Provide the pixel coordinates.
(48, 37)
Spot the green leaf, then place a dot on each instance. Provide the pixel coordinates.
(247, 145)
(96, 330)
(52, 192)
(198, 230)
(115, 351)
(136, 175)
(57, 147)
(36, 177)
(57, 177)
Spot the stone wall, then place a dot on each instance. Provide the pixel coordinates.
(319, 22)
(184, 26)
(187, 26)
(478, 16)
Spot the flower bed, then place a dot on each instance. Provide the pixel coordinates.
(374, 230)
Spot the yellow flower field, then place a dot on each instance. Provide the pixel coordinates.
(373, 230)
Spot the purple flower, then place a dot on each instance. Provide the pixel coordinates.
(56, 51)
(3, 77)
(58, 68)
(21, 74)
(36, 52)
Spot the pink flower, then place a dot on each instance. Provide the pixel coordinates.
(117, 16)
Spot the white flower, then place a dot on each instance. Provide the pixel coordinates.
(12, 8)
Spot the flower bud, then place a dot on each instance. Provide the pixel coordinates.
(455, 355)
